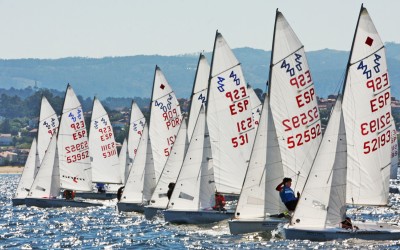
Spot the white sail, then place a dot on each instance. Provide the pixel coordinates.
(195, 188)
(259, 197)
(199, 93)
(48, 126)
(102, 147)
(256, 105)
(229, 119)
(293, 104)
(124, 161)
(367, 114)
(47, 180)
(28, 175)
(395, 152)
(138, 187)
(136, 125)
(73, 145)
(171, 169)
(165, 120)
(323, 200)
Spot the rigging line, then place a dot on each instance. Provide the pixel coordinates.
(163, 96)
(225, 70)
(302, 46)
(383, 46)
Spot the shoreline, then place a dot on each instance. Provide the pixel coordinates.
(11, 169)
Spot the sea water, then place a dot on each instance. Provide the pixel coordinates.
(104, 228)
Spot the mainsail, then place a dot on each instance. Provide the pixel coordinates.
(293, 103)
(136, 125)
(199, 93)
(48, 126)
(102, 147)
(165, 120)
(73, 146)
(229, 119)
(367, 114)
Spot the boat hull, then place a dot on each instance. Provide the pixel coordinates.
(195, 217)
(44, 203)
(130, 207)
(365, 233)
(151, 212)
(18, 201)
(243, 226)
(97, 196)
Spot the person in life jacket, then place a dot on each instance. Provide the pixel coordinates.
(171, 187)
(119, 193)
(219, 202)
(347, 224)
(287, 194)
(69, 194)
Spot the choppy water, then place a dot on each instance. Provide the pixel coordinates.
(103, 227)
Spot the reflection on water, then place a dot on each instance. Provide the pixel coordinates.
(22, 227)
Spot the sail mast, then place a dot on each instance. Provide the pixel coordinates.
(351, 50)
(272, 55)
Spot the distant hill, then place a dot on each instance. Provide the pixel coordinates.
(132, 76)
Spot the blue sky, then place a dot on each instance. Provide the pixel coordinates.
(99, 28)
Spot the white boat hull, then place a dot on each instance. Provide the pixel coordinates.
(243, 226)
(367, 231)
(96, 196)
(44, 203)
(195, 217)
(130, 207)
(151, 212)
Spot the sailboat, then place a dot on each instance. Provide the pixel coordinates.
(141, 180)
(348, 165)
(194, 193)
(229, 119)
(259, 203)
(293, 104)
(394, 153)
(165, 120)
(66, 164)
(159, 199)
(103, 153)
(47, 127)
(169, 175)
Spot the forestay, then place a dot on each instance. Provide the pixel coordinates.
(28, 175)
(229, 119)
(73, 145)
(165, 118)
(199, 93)
(322, 203)
(103, 148)
(367, 114)
(48, 126)
(293, 104)
(195, 187)
(47, 181)
(171, 169)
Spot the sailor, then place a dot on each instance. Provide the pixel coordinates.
(119, 192)
(347, 224)
(287, 194)
(219, 202)
(100, 187)
(171, 187)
